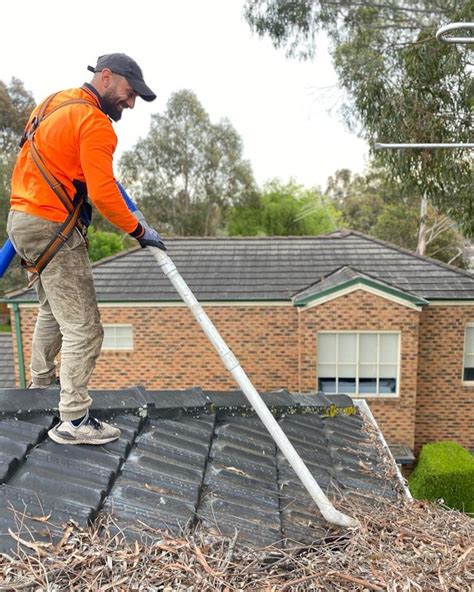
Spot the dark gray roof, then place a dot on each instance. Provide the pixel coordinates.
(271, 268)
(346, 276)
(185, 458)
(7, 367)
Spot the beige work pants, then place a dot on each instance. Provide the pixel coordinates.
(68, 318)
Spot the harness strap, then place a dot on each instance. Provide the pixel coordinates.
(72, 206)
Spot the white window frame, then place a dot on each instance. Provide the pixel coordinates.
(356, 394)
(116, 347)
(466, 382)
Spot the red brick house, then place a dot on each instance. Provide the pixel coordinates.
(336, 313)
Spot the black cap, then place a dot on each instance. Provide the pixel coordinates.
(122, 64)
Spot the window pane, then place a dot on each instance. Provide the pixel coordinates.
(123, 331)
(327, 370)
(388, 371)
(388, 348)
(469, 347)
(368, 371)
(327, 385)
(346, 385)
(468, 374)
(116, 337)
(327, 348)
(108, 340)
(347, 370)
(367, 385)
(387, 385)
(125, 342)
(347, 348)
(368, 347)
(469, 361)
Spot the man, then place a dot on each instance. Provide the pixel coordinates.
(66, 156)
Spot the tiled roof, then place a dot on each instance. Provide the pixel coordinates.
(271, 268)
(346, 276)
(7, 367)
(185, 458)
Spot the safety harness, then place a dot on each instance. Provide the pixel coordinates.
(73, 206)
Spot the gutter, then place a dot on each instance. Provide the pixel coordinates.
(19, 344)
(364, 408)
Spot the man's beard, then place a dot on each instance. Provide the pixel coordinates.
(110, 109)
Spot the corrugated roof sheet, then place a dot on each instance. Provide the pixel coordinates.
(271, 268)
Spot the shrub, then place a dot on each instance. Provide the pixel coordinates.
(103, 244)
(445, 470)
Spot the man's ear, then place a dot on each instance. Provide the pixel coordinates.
(106, 77)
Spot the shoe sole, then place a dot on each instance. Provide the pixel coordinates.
(73, 441)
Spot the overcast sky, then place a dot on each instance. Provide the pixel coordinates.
(285, 111)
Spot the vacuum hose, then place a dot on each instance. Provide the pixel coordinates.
(7, 252)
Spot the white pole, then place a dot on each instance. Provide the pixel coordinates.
(441, 33)
(232, 364)
(426, 146)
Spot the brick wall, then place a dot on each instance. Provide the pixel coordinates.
(362, 311)
(171, 350)
(445, 407)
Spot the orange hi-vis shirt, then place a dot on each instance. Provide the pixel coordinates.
(77, 142)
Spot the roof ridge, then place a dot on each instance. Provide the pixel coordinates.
(312, 237)
(320, 280)
(413, 253)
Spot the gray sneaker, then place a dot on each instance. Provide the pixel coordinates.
(90, 431)
(54, 384)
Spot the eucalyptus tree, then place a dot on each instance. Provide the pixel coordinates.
(188, 171)
(372, 204)
(16, 103)
(401, 85)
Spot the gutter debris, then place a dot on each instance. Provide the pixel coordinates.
(400, 545)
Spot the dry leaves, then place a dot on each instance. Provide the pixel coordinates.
(400, 547)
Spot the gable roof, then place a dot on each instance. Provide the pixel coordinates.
(187, 458)
(269, 268)
(350, 278)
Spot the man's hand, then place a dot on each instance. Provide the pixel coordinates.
(150, 238)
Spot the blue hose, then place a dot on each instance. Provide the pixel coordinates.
(7, 252)
(127, 199)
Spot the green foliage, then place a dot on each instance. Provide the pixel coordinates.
(188, 172)
(103, 244)
(372, 204)
(445, 470)
(284, 210)
(402, 85)
(16, 103)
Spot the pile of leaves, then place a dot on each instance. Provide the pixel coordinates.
(399, 546)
